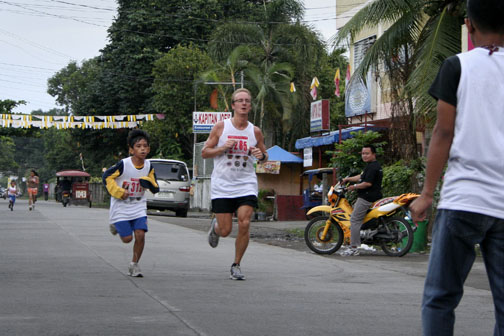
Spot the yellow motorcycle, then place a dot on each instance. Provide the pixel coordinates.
(383, 225)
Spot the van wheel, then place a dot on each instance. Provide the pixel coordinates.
(181, 213)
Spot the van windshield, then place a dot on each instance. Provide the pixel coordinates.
(170, 171)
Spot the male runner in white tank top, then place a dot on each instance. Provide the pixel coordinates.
(234, 144)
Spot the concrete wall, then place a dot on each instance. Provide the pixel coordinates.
(201, 199)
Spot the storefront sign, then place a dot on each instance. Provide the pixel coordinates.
(268, 167)
(319, 116)
(307, 157)
(203, 122)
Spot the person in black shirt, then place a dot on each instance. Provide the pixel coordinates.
(368, 186)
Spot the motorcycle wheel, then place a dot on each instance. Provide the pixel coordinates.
(313, 232)
(403, 240)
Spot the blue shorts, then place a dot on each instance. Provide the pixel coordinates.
(12, 198)
(126, 228)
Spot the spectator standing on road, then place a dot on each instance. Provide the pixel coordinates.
(46, 191)
(33, 183)
(126, 182)
(234, 144)
(468, 134)
(368, 186)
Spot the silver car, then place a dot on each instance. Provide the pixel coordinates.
(174, 185)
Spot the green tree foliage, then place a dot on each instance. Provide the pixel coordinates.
(398, 177)
(7, 105)
(174, 91)
(346, 156)
(278, 38)
(76, 89)
(143, 32)
(7, 162)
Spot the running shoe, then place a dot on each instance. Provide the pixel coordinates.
(113, 229)
(350, 252)
(134, 270)
(236, 273)
(213, 237)
(30, 208)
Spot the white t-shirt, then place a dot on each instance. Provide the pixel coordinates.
(234, 172)
(135, 206)
(474, 179)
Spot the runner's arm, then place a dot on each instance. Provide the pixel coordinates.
(259, 151)
(109, 182)
(210, 150)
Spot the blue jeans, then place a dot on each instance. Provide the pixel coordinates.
(452, 256)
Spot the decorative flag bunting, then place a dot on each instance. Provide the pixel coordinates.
(347, 77)
(336, 83)
(292, 87)
(313, 87)
(64, 122)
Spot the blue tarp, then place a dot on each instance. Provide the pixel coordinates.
(277, 153)
(328, 139)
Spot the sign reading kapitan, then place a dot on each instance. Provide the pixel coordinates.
(319, 116)
(203, 122)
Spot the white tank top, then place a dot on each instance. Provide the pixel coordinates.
(234, 174)
(474, 179)
(12, 190)
(135, 206)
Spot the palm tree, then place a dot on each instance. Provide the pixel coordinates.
(421, 35)
(272, 81)
(228, 69)
(273, 43)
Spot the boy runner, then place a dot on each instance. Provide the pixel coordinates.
(126, 183)
(12, 192)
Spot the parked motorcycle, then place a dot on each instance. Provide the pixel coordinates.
(383, 226)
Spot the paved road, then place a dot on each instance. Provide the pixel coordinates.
(62, 273)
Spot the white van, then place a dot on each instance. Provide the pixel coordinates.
(174, 185)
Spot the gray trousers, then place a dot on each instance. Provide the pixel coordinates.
(360, 209)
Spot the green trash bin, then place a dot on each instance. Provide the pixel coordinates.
(420, 237)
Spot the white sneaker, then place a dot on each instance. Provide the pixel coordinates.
(236, 273)
(213, 237)
(350, 252)
(134, 270)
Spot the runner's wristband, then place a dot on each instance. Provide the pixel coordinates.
(263, 157)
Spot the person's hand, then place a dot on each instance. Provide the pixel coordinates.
(344, 181)
(229, 144)
(256, 152)
(125, 195)
(419, 208)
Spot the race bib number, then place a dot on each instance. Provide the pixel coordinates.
(240, 147)
(134, 188)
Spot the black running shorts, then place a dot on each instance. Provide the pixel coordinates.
(230, 205)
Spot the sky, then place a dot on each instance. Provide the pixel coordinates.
(40, 37)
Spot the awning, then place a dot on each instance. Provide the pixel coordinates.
(330, 138)
(277, 153)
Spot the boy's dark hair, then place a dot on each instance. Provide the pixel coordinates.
(487, 15)
(136, 135)
(372, 147)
